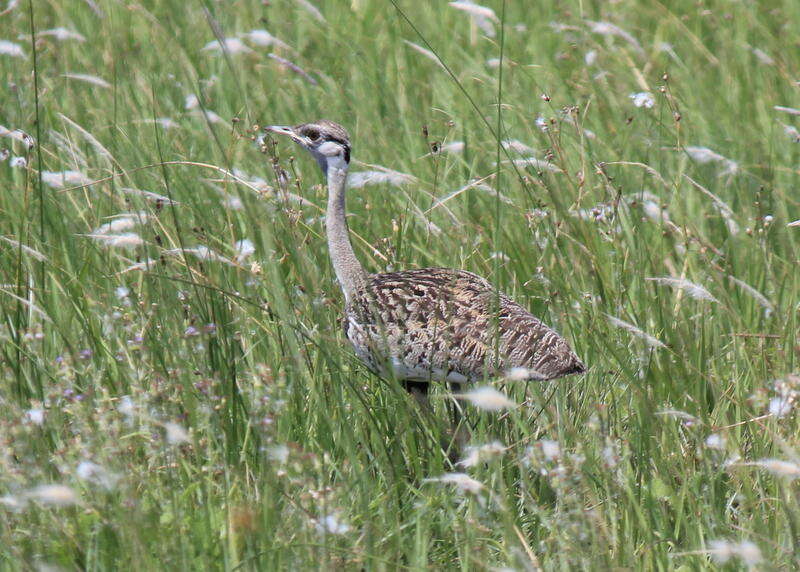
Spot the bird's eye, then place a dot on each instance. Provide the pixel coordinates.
(312, 134)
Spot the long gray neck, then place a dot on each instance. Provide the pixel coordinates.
(349, 272)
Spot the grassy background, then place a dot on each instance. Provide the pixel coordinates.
(294, 456)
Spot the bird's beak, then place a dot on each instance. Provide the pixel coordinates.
(284, 130)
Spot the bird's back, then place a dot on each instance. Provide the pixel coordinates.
(443, 324)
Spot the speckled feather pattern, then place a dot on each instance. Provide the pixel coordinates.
(442, 324)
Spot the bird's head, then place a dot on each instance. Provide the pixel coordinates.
(328, 142)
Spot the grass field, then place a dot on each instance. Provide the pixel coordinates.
(176, 391)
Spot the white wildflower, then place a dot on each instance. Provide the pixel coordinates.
(477, 453)
(12, 503)
(62, 34)
(781, 406)
(18, 162)
(590, 57)
(716, 441)
(35, 416)
(332, 525)
(462, 481)
(190, 102)
(487, 398)
(54, 495)
(721, 551)
(244, 249)
(11, 49)
(651, 341)
(96, 474)
(551, 450)
(643, 99)
(126, 406)
(92, 79)
(693, 290)
(175, 433)
(278, 453)
(63, 179)
(232, 46)
(541, 123)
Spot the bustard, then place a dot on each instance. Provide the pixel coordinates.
(417, 326)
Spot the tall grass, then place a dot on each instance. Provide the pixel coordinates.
(170, 398)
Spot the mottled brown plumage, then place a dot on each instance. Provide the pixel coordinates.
(430, 324)
(450, 325)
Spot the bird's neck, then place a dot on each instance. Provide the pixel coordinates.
(348, 269)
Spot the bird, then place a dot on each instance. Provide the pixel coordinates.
(431, 324)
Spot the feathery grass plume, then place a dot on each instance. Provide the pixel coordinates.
(693, 290)
(232, 46)
(763, 57)
(63, 179)
(780, 468)
(425, 52)
(685, 418)
(721, 551)
(11, 49)
(651, 341)
(522, 374)
(474, 454)
(92, 79)
(755, 294)
(517, 146)
(482, 16)
(781, 406)
(265, 39)
(462, 481)
(17, 135)
(359, 179)
(313, 10)
(126, 240)
(201, 252)
(643, 99)
(150, 196)
(53, 495)
(791, 132)
(789, 110)
(190, 102)
(121, 223)
(293, 67)
(722, 207)
(62, 34)
(207, 115)
(716, 441)
(145, 264)
(704, 155)
(794, 223)
(487, 398)
(26, 249)
(611, 30)
(538, 164)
